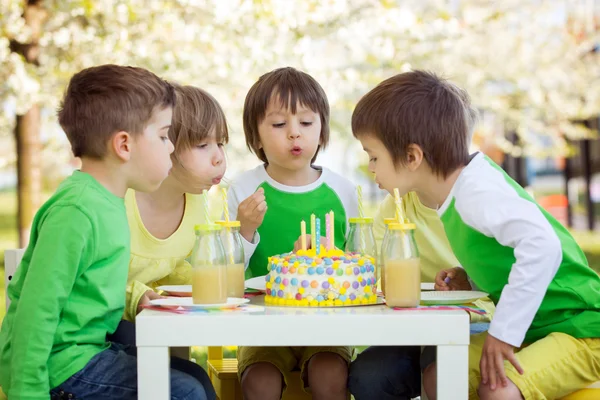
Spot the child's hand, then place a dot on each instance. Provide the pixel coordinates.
(251, 213)
(452, 279)
(491, 365)
(298, 244)
(145, 299)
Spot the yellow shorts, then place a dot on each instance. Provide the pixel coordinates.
(553, 367)
(286, 359)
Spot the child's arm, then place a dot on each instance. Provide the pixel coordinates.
(517, 223)
(134, 293)
(250, 212)
(64, 247)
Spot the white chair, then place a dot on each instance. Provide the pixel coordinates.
(12, 259)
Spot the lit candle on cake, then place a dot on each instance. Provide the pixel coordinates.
(303, 235)
(318, 235)
(313, 230)
(328, 230)
(332, 227)
(361, 210)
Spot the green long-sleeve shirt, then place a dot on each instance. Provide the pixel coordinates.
(69, 290)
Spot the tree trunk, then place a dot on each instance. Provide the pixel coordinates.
(27, 138)
(27, 130)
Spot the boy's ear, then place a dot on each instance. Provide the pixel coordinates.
(121, 144)
(414, 157)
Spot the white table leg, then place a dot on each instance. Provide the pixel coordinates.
(453, 372)
(153, 373)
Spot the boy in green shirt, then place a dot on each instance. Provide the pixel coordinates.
(415, 128)
(67, 293)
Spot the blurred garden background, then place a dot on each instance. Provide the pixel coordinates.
(532, 68)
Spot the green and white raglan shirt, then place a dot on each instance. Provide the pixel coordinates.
(287, 207)
(511, 248)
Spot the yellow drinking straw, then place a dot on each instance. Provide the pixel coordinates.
(303, 234)
(208, 221)
(398, 201)
(226, 212)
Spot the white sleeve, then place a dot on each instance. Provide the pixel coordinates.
(233, 200)
(518, 223)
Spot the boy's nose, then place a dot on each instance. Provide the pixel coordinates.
(218, 159)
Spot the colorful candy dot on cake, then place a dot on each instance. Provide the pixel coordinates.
(361, 262)
(314, 284)
(284, 270)
(278, 269)
(355, 285)
(320, 298)
(362, 270)
(285, 282)
(339, 272)
(331, 280)
(346, 261)
(368, 289)
(278, 280)
(311, 270)
(320, 270)
(346, 284)
(298, 296)
(325, 285)
(352, 296)
(331, 295)
(294, 282)
(313, 264)
(336, 285)
(289, 296)
(268, 292)
(305, 283)
(329, 271)
(292, 270)
(349, 271)
(343, 297)
(355, 260)
(301, 270)
(343, 290)
(296, 264)
(280, 293)
(266, 278)
(356, 271)
(328, 261)
(360, 279)
(363, 283)
(318, 260)
(301, 290)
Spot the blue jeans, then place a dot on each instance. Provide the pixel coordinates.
(392, 372)
(125, 334)
(112, 375)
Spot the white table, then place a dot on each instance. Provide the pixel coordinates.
(343, 326)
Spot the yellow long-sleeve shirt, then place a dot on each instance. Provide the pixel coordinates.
(155, 262)
(433, 245)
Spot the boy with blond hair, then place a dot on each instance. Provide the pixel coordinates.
(68, 292)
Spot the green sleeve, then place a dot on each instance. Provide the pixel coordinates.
(63, 248)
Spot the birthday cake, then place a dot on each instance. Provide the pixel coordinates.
(327, 279)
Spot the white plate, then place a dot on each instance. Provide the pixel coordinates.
(177, 290)
(186, 302)
(259, 283)
(451, 297)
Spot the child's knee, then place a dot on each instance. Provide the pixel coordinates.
(327, 371)
(510, 392)
(262, 380)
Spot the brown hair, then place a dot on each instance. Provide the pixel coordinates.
(103, 100)
(419, 108)
(291, 87)
(195, 116)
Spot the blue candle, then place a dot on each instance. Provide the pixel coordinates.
(318, 235)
